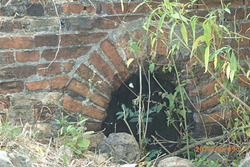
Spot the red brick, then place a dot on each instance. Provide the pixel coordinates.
(9, 25)
(37, 85)
(46, 40)
(11, 87)
(72, 8)
(210, 102)
(67, 67)
(4, 103)
(65, 53)
(47, 69)
(72, 104)
(244, 53)
(82, 38)
(79, 88)
(94, 113)
(58, 82)
(89, 9)
(26, 56)
(245, 28)
(110, 51)
(208, 89)
(240, 43)
(204, 4)
(16, 43)
(115, 8)
(86, 73)
(103, 67)
(7, 58)
(99, 100)
(112, 22)
(93, 126)
(17, 72)
(221, 117)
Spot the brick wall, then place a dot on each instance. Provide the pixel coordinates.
(72, 54)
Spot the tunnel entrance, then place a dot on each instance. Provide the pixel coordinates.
(122, 113)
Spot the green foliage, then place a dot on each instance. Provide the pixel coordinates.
(73, 134)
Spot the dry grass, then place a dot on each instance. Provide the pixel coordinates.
(46, 152)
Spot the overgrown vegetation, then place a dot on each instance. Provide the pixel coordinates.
(204, 39)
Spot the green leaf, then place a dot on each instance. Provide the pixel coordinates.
(161, 21)
(247, 132)
(196, 43)
(83, 144)
(182, 113)
(215, 61)
(135, 47)
(206, 57)
(152, 67)
(193, 22)
(184, 33)
(233, 62)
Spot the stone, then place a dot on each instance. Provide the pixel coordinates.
(122, 147)
(246, 161)
(5, 160)
(175, 162)
(95, 139)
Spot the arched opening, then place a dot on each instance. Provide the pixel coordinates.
(161, 125)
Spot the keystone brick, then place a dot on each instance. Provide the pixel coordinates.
(82, 38)
(46, 40)
(17, 72)
(94, 113)
(103, 67)
(16, 43)
(45, 69)
(65, 53)
(72, 8)
(110, 50)
(58, 82)
(72, 104)
(37, 85)
(7, 58)
(11, 87)
(27, 56)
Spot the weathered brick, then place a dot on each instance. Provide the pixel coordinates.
(115, 8)
(208, 89)
(6, 58)
(99, 100)
(37, 85)
(79, 88)
(103, 67)
(110, 51)
(58, 82)
(9, 25)
(210, 102)
(93, 126)
(65, 53)
(67, 67)
(239, 43)
(26, 56)
(78, 23)
(214, 117)
(87, 74)
(11, 87)
(72, 8)
(35, 9)
(245, 28)
(112, 22)
(94, 113)
(4, 103)
(82, 38)
(47, 69)
(46, 40)
(16, 43)
(204, 4)
(72, 104)
(17, 72)
(244, 81)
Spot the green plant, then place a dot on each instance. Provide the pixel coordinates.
(74, 133)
